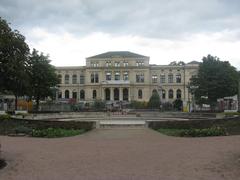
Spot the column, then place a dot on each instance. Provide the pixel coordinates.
(120, 94)
(111, 94)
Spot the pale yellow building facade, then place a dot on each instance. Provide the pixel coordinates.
(124, 76)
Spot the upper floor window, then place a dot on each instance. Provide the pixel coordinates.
(108, 76)
(60, 78)
(140, 78)
(94, 78)
(154, 78)
(117, 76)
(108, 63)
(82, 79)
(125, 76)
(178, 78)
(94, 64)
(170, 78)
(162, 78)
(117, 64)
(74, 79)
(66, 79)
(125, 64)
(140, 63)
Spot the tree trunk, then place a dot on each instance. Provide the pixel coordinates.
(37, 105)
(16, 101)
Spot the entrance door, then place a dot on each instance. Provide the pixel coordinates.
(116, 94)
(125, 94)
(107, 94)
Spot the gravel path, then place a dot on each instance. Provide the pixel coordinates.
(114, 154)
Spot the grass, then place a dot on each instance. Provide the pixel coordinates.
(56, 132)
(213, 131)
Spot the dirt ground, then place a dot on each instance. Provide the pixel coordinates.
(114, 154)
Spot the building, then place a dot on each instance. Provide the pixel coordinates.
(124, 76)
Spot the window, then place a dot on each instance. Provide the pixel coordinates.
(59, 94)
(74, 79)
(94, 95)
(179, 94)
(154, 78)
(125, 76)
(82, 79)
(60, 78)
(108, 63)
(94, 78)
(82, 95)
(66, 79)
(117, 64)
(139, 78)
(162, 79)
(108, 76)
(170, 78)
(140, 94)
(140, 63)
(117, 76)
(67, 94)
(178, 78)
(125, 64)
(74, 95)
(170, 94)
(94, 64)
(163, 94)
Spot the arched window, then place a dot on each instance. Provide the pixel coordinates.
(67, 94)
(94, 94)
(74, 79)
(82, 79)
(59, 94)
(178, 78)
(179, 94)
(140, 94)
(170, 78)
(82, 95)
(154, 91)
(66, 79)
(163, 94)
(170, 94)
(60, 78)
(74, 95)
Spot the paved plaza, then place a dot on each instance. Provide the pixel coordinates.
(114, 154)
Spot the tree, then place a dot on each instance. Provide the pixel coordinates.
(42, 76)
(154, 101)
(13, 61)
(178, 104)
(215, 79)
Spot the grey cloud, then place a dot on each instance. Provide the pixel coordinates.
(153, 18)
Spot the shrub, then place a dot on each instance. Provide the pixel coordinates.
(138, 104)
(214, 131)
(167, 106)
(98, 104)
(178, 104)
(154, 101)
(23, 129)
(5, 117)
(56, 132)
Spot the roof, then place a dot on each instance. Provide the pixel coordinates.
(122, 54)
(194, 62)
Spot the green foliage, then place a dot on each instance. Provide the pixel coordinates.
(98, 104)
(13, 60)
(215, 79)
(5, 117)
(154, 101)
(42, 76)
(23, 129)
(138, 105)
(56, 132)
(178, 104)
(213, 131)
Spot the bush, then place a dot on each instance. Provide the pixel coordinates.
(213, 131)
(154, 101)
(98, 104)
(138, 105)
(178, 104)
(5, 117)
(23, 129)
(167, 106)
(56, 132)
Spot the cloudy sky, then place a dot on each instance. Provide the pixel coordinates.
(166, 30)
